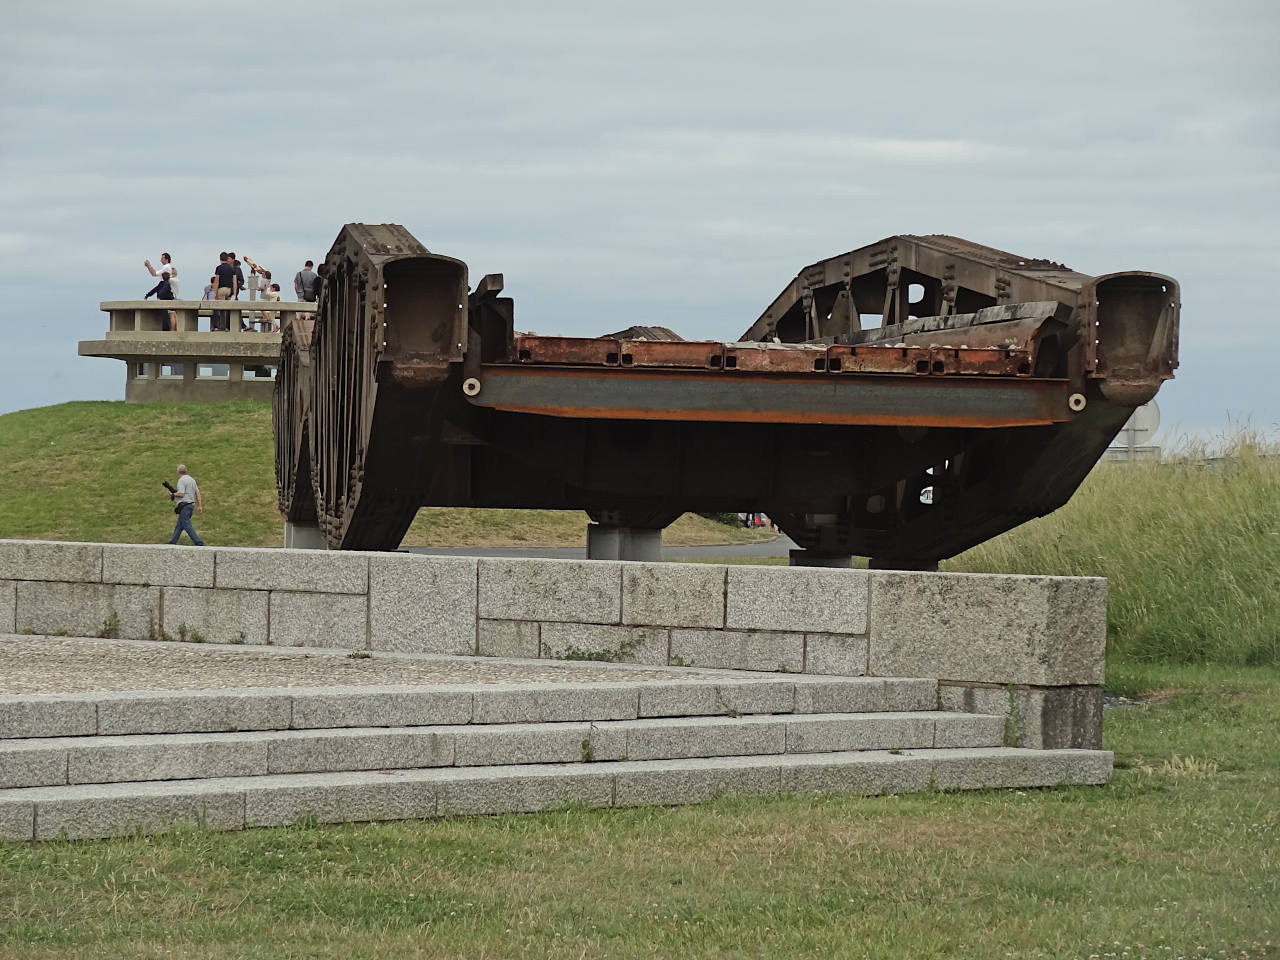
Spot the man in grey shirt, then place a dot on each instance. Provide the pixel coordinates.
(306, 285)
(187, 497)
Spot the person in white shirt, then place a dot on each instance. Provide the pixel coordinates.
(187, 496)
(166, 263)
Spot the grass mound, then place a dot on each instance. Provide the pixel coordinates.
(91, 471)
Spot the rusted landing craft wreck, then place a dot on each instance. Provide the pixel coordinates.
(903, 401)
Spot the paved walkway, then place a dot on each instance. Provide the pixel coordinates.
(35, 664)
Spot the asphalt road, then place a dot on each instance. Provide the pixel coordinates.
(776, 547)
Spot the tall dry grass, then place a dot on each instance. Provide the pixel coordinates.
(1191, 546)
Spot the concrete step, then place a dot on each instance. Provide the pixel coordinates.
(102, 810)
(54, 761)
(299, 708)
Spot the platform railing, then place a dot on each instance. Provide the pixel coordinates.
(194, 316)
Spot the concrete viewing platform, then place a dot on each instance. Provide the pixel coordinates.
(194, 362)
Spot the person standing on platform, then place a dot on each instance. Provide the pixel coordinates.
(186, 497)
(166, 263)
(164, 291)
(227, 289)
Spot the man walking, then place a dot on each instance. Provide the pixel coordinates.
(188, 497)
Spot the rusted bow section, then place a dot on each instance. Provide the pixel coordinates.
(902, 401)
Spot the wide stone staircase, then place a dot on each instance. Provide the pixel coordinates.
(108, 763)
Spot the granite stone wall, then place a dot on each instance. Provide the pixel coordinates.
(1030, 647)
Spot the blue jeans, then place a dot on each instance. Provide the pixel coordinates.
(184, 523)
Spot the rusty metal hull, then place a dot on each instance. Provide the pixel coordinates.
(984, 392)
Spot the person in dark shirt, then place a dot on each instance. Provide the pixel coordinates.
(228, 287)
(239, 273)
(163, 291)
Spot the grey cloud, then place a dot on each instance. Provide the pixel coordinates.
(669, 162)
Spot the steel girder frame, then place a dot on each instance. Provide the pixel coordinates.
(988, 388)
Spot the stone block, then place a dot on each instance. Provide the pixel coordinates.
(406, 706)
(523, 789)
(217, 616)
(1011, 767)
(756, 696)
(175, 757)
(50, 560)
(523, 743)
(988, 628)
(17, 820)
(508, 638)
(554, 703)
(8, 606)
(598, 641)
(32, 763)
(968, 730)
(192, 712)
(119, 809)
(42, 715)
(1070, 717)
(572, 591)
(882, 731)
(867, 774)
(801, 599)
(1034, 717)
(161, 566)
(903, 693)
(307, 571)
(664, 783)
(318, 620)
(702, 698)
(422, 604)
(1075, 643)
(679, 738)
(396, 748)
(738, 649)
(673, 595)
(340, 798)
(834, 653)
(864, 695)
(83, 609)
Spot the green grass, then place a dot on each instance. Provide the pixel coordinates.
(1179, 856)
(92, 471)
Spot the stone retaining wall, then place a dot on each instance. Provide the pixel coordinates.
(1029, 647)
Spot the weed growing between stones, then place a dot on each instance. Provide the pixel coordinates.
(622, 653)
(111, 627)
(1014, 727)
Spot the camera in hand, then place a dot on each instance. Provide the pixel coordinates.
(168, 486)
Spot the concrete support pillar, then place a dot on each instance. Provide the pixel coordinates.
(807, 558)
(623, 543)
(303, 536)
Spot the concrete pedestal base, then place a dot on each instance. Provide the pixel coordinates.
(623, 543)
(303, 536)
(805, 558)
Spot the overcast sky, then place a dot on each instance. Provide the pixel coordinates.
(657, 163)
